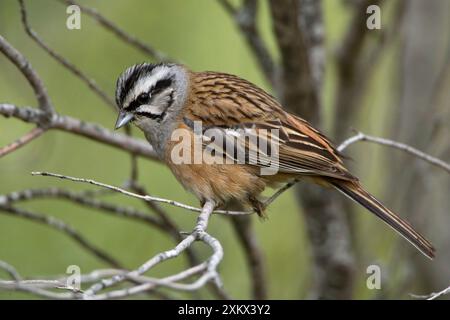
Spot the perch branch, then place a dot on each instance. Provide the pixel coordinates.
(135, 195)
(160, 200)
(144, 284)
(198, 234)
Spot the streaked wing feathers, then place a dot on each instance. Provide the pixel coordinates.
(235, 105)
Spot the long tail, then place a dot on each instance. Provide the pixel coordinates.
(355, 191)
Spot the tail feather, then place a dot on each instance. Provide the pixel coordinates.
(356, 192)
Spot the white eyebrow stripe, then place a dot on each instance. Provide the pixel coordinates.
(144, 84)
(147, 108)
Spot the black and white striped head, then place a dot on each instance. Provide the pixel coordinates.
(146, 92)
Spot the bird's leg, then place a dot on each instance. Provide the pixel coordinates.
(258, 206)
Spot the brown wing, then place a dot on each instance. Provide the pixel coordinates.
(226, 103)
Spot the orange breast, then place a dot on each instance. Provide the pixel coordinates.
(219, 182)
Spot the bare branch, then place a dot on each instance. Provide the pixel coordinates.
(30, 136)
(398, 145)
(62, 227)
(9, 269)
(431, 296)
(120, 33)
(81, 199)
(67, 64)
(32, 77)
(168, 223)
(198, 234)
(43, 287)
(434, 295)
(149, 198)
(245, 19)
(135, 195)
(79, 127)
(299, 90)
(19, 286)
(278, 193)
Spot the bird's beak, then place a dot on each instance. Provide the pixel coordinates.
(123, 118)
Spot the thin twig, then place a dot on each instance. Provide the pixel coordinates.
(170, 281)
(61, 226)
(284, 188)
(30, 136)
(208, 269)
(397, 145)
(67, 64)
(157, 199)
(433, 295)
(120, 33)
(81, 199)
(198, 234)
(10, 270)
(135, 195)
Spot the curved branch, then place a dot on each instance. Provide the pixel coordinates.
(64, 228)
(245, 18)
(198, 234)
(30, 136)
(120, 33)
(149, 198)
(81, 199)
(67, 64)
(9, 269)
(135, 195)
(397, 145)
(32, 77)
(82, 128)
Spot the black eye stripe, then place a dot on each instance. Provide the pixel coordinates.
(133, 105)
(160, 85)
(145, 97)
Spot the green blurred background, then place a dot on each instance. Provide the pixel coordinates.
(200, 34)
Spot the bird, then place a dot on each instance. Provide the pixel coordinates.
(168, 100)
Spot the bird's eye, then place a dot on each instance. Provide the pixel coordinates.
(143, 98)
